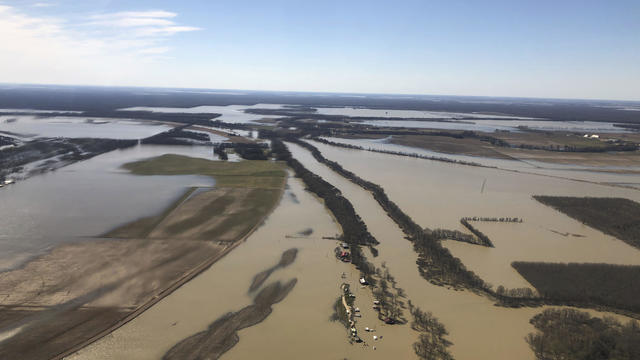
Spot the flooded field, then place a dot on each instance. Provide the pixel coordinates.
(569, 171)
(298, 327)
(491, 125)
(437, 195)
(79, 127)
(111, 196)
(71, 214)
(478, 329)
(409, 114)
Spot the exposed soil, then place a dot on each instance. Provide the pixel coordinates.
(73, 293)
(77, 293)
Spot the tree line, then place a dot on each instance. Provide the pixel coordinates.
(354, 230)
(400, 153)
(435, 262)
(432, 343)
(178, 136)
(492, 219)
(593, 285)
(456, 236)
(484, 239)
(247, 151)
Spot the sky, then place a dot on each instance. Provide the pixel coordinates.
(551, 49)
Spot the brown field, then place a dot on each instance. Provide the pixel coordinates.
(444, 144)
(80, 292)
(544, 138)
(621, 159)
(475, 147)
(77, 291)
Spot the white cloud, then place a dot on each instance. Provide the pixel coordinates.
(42, 4)
(109, 48)
(142, 23)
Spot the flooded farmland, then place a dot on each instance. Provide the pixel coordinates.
(466, 315)
(568, 171)
(301, 320)
(111, 197)
(131, 255)
(437, 195)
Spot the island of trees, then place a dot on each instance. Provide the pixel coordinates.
(568, 334)
(617, 217)
(593, 285)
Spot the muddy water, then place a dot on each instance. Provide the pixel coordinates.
(568, 171)
(437, 195)
(298, 328)
(80, 127)
(478, 329)
(43, 211)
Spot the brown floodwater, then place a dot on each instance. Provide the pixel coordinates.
(299, 326)
(437, 195)
(600, 174)
(478, 329)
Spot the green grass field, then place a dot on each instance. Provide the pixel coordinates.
(251, 190)
(247, 173)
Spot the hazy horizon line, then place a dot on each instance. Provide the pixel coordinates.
(321, 92)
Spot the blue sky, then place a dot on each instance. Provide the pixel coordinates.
(568, 49)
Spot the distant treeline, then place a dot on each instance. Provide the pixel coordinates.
(591, 285)
(414, 155)
(178, 136)
(435, 262)
(628, 126)
(484, 239)
(106, 99)
(13, 159)
(617, 217)
(247, 151)
(587, 149)
(570, 334)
